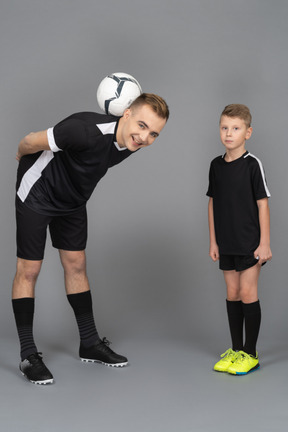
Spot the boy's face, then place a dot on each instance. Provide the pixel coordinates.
(234, 133)
(139, 127)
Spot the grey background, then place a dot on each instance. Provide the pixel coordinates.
(157, 295)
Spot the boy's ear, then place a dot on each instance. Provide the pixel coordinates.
(249, 133)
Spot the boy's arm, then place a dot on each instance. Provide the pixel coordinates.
(263, 251)
(32, 143)
(214, 250)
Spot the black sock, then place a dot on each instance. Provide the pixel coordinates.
(24, 313)
(82, 305)
(252, 316)
(235, 319)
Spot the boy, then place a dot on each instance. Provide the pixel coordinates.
(239, 226)
(58, 171)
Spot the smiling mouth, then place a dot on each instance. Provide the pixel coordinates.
(136, 142)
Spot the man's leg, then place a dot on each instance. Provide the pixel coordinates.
(31, 364)
(31, 238)
(79, 295)
(23, 303)
(92, 348)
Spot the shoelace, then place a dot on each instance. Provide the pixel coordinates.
(241, 356)
(35, 357)
(105, 341)
(229, 352)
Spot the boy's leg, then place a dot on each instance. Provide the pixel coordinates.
(234, 308)
(247, 360)
(251, 306)
(235, 319)
(252, 314)
(249, 284)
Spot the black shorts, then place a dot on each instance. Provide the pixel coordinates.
(67, 232)
(237, 262)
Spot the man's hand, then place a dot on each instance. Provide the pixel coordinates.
(33, 143)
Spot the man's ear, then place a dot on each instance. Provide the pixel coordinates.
(127, 113)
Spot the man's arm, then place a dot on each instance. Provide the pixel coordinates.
(263, 252)
(33, 143)
(214, 250)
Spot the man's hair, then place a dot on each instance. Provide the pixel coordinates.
(238, 110)
(157, 103)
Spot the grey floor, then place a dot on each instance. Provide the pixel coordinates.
(168, 386)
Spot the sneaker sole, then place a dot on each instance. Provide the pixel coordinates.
(117, 365)
(44, 382)
(221, 371)
(246, 373)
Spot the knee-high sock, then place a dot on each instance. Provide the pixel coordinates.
(252, 317)
(81, 304)
(235, 319)
(24, 313)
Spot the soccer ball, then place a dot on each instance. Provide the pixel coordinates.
(116, 92)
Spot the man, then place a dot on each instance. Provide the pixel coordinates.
(58, 171)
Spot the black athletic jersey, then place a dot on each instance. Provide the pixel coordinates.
(61, 180)
(235, 188)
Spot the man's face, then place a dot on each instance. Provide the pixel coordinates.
(234, 132)
(139, 127)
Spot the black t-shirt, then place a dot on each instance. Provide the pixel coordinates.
(235, 188)
(61, 180)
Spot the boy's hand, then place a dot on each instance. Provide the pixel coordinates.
(214, 252)
(263, 253)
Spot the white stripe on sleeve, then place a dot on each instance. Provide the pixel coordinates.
(51, 140)
(262, 173)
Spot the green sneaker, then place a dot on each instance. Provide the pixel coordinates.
(226, 361)
(243, 364)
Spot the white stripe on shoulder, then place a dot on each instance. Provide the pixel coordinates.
(33, 174)
(107, 128)
(51, 140)
(262, 173)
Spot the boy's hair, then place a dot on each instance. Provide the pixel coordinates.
(157, 103)
(238, 110)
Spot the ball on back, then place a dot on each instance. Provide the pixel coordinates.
(116, 92)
